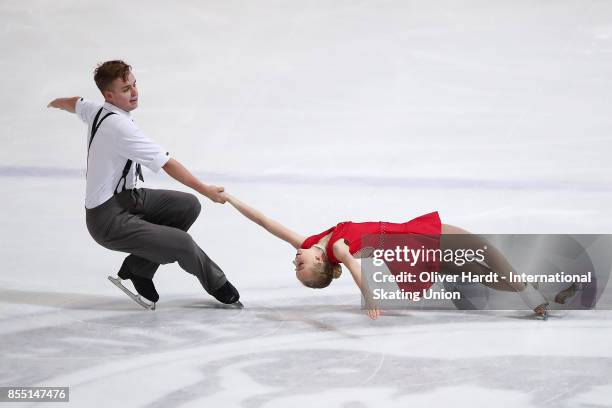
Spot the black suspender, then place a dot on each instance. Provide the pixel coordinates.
(96, 125)
(128, 165)
(94, 129)
(126, 170)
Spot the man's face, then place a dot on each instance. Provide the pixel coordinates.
(123, 94)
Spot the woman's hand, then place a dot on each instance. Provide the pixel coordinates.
(227, 197)
(372, 310)
(374, 313)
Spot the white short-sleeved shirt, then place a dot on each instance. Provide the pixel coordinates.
(117, 140)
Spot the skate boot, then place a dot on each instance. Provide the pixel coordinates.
(227, 294)
(147, 295)
(568, 293)
(535, 300)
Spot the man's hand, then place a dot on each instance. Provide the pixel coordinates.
(216, 194)
(67, 104)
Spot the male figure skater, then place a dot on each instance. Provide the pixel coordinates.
(150, 225)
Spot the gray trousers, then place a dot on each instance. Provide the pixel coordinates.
(152, 225)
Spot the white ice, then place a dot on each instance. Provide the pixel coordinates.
(496, 114)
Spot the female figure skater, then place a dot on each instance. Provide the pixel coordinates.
(318, 258)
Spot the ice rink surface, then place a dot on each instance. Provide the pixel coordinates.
(496, 114)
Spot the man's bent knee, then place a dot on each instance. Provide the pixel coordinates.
(192, 206)
(197, 207)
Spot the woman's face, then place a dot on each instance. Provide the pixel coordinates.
(304, 260)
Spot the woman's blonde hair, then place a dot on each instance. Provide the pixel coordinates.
(323, 273)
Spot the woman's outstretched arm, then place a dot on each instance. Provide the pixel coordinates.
(342, 253)
(273, 227)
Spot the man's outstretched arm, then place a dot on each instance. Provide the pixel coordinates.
(67, 104)
(178, 172)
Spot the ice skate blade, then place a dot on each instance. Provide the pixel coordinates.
(235, 305)
(136, 298)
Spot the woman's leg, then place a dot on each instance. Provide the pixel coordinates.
(457, 238)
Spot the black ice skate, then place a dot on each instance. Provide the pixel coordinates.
(228, 294)
(147, 295)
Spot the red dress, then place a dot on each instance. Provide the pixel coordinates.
(423, 231)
